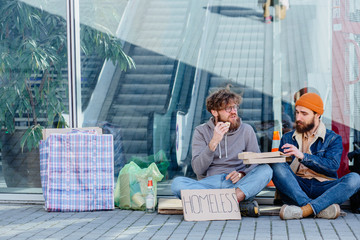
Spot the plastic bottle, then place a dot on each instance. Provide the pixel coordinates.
(150, 197)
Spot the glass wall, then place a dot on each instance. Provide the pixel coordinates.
(33, 87)
(185, 49)
(180, 51)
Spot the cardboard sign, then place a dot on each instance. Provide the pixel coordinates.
(210, 204)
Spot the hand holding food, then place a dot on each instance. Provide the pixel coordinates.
(220, 129)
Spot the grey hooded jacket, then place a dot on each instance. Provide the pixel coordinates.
(225, 158)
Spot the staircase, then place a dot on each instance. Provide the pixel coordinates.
(147, 89)
(141, 92)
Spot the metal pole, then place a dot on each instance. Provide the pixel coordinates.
(74, 71)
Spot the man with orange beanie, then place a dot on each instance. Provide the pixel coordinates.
(309, 184)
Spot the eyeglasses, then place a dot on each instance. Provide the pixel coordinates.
(229, 109)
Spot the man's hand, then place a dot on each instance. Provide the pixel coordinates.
(234, 176)
(220, 129)
(291, 150)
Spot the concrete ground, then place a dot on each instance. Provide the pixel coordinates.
(31, 221)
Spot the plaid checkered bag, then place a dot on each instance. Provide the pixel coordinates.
(77, 171)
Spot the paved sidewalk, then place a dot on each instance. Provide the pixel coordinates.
(33, 222)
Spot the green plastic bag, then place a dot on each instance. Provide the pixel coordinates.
(131, 186)
(159, 159)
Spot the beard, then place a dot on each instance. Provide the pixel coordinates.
(233, 125)
(304, 127)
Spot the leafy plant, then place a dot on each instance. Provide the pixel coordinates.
(33, 54)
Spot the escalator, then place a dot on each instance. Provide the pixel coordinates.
(138, 94)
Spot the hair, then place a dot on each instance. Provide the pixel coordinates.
(220, 98)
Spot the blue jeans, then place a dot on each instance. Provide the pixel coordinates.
(300, 191)
(251, 184)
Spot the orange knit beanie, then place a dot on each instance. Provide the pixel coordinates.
(311, 101)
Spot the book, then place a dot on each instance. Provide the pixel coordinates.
(259, 158)
(252, 155)
(264, 160)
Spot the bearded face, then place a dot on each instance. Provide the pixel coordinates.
(303, 127)
(231, 117)
(234, 121)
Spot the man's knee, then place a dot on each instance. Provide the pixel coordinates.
(266, 171)
(280, 170)
(178, 184)
(353, 181)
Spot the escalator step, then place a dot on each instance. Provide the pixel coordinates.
(136, 110)
(138, 99)
(132, 134)
(153, 69)
(251, 103)
(135, 146)
(250, 114)
(124, 121)
(156, 60)
(144, 89)
(148, 79)
(143, 52)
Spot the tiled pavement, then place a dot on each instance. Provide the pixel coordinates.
(33, 222)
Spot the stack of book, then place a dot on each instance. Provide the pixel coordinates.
(259, 158)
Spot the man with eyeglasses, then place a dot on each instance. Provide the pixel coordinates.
(215, 148)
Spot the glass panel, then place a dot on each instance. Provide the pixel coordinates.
(303, 57)
(33, 85)
(182, 49)
(102, 62)
(185, 49)
(346, 78)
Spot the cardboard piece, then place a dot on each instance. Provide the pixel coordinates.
(170, 203)
(46, 132)
(210, 204)
(170, 206)
(251, 155)
(260, 158)
(170, 211)
(264, 160)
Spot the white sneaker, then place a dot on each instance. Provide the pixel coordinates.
(331, 212)
(290, 212)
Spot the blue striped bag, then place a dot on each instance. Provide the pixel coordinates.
(77, 171)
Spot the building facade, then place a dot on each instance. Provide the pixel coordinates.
(141, 70)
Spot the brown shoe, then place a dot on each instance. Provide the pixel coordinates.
(331, 212)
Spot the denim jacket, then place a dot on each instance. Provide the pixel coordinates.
(325, 154)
